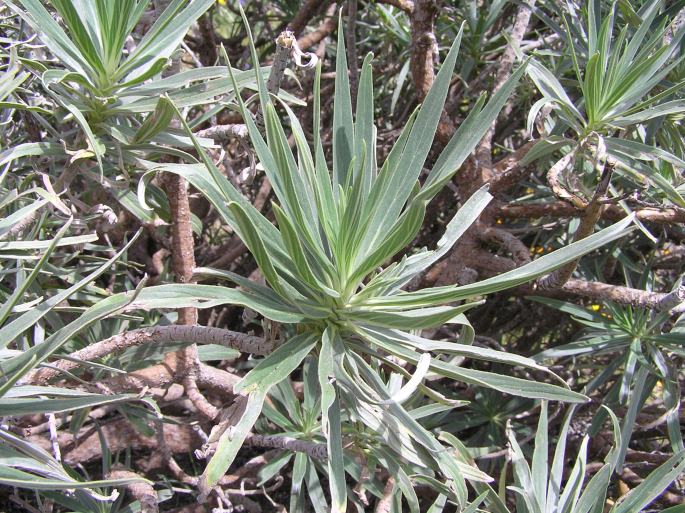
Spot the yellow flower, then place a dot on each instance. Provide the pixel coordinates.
(221, 2)
(530, 190)
(595, 308)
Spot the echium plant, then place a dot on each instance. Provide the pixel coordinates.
(620, 92)
(337, 292)
(542, 488)
(111, 88)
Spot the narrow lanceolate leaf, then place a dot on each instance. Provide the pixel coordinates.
(232, 440)
(156, 122)
(652, 486)
(208, 296)
(467, 136)
(13, 477)
(278, 365)
(220, 191)
(392, 189)
(38, 353)
(15, 328)
(364, 130)
(253, 241)
(28, 406)
(461, 221)
(410, 319)
(522, 474)
(540, 467)
(535, 269)
(18, 293)
(343, 125)
(393, 336)
(501, 382)
(330, 419)
(269, 372)
(446, 463)
(54, 36)
(163, 37)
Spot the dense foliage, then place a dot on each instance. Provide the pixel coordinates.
(329, 257)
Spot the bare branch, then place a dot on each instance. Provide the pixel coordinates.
(505, 65)
(224, 132)
(424, 46)
(625, 295)
(312, 449)
(327, 27)
(158, 334)
(384, 504)
(508, 171)
(307, 11)
(610, 212)
(519, 251)
(587, 225)
(405, 5)
(142, 491)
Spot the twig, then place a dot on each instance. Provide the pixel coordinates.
(217, 379)
(385, 503)
(22, 225)
(404, 5)
(312, 449)
(505, 65)
(587, 225)
(168, 457)
(519, 251)
(23, 504)
(224, 132)
(305, 13)
(52, 425)
(141, 491)
(564, 209)
(232, 250)
(625, 295)
(508, 171)
(158, 334)
(323, 31)
(284, 49)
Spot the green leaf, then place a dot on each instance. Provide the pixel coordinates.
(156, 122)
(278, 365)
(270, 371)
(467, 136)
(207, 296)
(539, 468)
(392, 189)
(503, 383)
(330, 418)
(19, 290)
(28, 406)
(61, 45)
(409, 319)
(343, 125)
(253, 241)
(163, 37)
(232, 440)
(649, 489)
(535, 269)
(15, 328)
